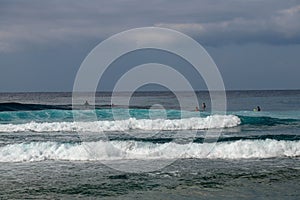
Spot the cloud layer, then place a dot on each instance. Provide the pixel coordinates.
(212, 22)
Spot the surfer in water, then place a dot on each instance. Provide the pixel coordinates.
(203, 106)
(197, 109)
(257, 109)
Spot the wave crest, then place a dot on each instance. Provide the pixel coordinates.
(195, 123)
(116, 150)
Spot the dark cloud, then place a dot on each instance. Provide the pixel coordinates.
(213, 22)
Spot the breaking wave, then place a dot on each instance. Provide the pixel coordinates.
(195, 123)
(115, 150)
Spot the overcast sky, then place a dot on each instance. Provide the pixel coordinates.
(255, 43)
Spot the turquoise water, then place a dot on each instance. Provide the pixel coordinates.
(45, 154)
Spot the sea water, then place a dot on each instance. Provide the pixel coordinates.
(46, 153)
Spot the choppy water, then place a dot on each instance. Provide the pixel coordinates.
(45, 154)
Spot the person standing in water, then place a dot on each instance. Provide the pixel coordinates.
(203, 106)
(258, 108)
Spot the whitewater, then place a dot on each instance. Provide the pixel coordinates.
(120, 150)
(210, 122)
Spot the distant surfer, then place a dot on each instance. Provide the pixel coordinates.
(257, 109)
(203, 106)
(197, 109)
(86, 103)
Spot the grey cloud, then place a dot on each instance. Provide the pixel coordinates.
(212, 22)
(281, 27)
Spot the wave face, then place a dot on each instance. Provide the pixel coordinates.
(115, 150)
(268, 121)
(14, 106)
(195, 123)
(56, 115)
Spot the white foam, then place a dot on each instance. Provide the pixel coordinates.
(116, 150)
(195, 123)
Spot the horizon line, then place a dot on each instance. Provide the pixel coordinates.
(108, 91)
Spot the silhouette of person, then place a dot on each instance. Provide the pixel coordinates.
(258, 108)
(203, 106)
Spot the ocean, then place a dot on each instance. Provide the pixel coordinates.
(147, 150)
